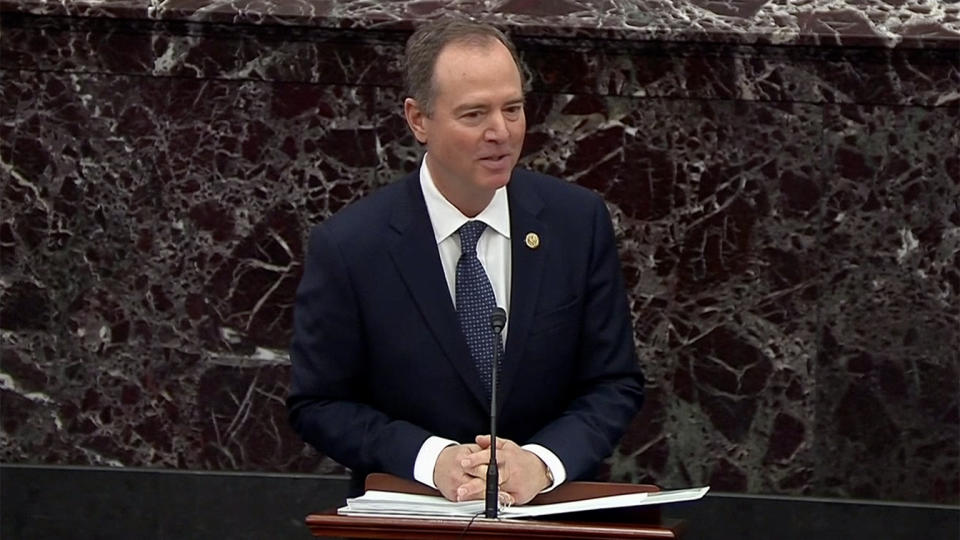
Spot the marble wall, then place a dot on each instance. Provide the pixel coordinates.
(785, 184)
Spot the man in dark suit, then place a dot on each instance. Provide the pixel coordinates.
(390, 371)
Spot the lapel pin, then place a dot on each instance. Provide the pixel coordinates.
(532, 240)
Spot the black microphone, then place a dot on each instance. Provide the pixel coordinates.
(498, 319)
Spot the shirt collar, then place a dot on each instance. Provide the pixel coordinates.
(447, 219)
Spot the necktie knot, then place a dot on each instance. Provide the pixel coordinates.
(469, 236)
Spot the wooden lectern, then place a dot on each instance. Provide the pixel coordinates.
(640, 522)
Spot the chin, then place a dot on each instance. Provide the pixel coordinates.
(497, 181)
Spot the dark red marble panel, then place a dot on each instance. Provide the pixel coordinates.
(787, 218)
(587, 66)
(156, 242)
(714, 247)
(923, 24)
(888, 364)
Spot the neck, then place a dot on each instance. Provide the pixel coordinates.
(470, 206)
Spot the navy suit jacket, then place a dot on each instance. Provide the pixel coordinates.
(379, 362)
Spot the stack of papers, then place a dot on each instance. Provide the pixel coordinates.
(388, 503)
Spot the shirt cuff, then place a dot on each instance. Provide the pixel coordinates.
(551, 461)
(427, 459)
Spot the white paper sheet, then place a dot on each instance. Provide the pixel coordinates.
(387, 503)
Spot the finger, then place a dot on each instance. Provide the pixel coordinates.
(481, 470)
(479, 466)
(484, 441)
(470, 462)
(472, 490)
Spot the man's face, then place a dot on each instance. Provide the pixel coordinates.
(475, 133)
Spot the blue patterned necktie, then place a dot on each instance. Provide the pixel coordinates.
(475, 302)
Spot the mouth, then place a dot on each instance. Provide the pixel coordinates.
(496, 161)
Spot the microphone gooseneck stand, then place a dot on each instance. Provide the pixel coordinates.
(498, 320)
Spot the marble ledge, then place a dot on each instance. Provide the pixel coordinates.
(860, 23)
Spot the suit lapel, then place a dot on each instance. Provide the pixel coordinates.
(415, 254)
(527, 268)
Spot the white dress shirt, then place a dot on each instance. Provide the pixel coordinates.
(493, 251)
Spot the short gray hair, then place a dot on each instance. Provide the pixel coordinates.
(425, 45)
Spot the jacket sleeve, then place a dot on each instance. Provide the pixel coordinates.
(608, 385)
(326, 404)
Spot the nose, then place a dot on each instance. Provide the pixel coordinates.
(496, 128)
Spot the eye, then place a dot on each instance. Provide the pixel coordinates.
(513, 111)
(472, 116)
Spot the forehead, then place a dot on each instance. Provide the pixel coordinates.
(476, 66)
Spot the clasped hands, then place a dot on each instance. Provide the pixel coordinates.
(461, 471)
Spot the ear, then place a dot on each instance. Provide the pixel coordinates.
(416, 118)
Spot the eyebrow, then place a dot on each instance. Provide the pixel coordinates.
(471, 106)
